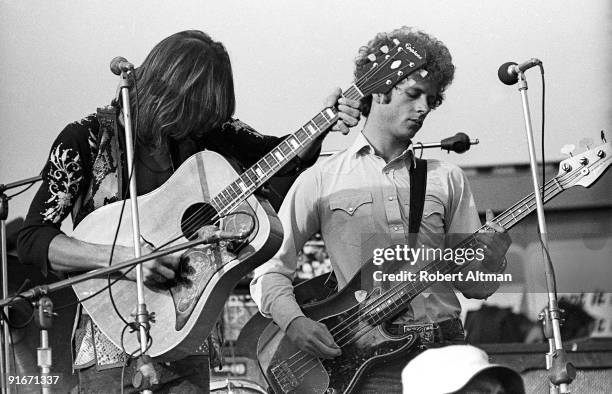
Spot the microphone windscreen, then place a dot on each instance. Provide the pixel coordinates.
(505, 75)
(114, 64)
(459, 143)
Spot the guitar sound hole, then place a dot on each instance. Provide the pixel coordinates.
(195, 217)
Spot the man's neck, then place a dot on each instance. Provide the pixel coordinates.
(384, 144)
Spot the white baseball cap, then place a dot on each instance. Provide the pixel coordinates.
(448, 369)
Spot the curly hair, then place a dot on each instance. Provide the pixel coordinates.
(439, 64)
(185, 88)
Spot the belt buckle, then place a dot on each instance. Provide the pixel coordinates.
(427, 331)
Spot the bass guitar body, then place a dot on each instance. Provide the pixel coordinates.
(364, 342)
(185, 311)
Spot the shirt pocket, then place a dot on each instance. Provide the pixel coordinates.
(351, 216)
(433, 216)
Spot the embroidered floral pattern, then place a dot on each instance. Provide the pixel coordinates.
(63, 178)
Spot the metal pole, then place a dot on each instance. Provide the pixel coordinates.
(5, 362)
(43, 353)
(142, 315)
(555, 342)
(5, 338)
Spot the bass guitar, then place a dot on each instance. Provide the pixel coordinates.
(199, 193)
(356, 316)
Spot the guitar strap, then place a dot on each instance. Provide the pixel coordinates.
(418, 186)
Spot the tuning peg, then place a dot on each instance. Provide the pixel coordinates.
(568, 149)
(372, 57)
(586, 143)
(603, 137)
(396, 41)
(384, 49)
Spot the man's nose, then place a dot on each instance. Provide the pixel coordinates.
(421, 105)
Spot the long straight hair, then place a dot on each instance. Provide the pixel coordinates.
(185, 88)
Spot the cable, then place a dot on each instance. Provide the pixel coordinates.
(20, 192)
(18, 295)
(543, 123)
(546, 254)
(15, 326)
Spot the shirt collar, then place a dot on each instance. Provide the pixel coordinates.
(361, 146)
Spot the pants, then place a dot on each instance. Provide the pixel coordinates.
(386, 380)
(190, 375)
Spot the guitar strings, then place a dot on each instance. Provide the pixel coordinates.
(563, 179)
(195, 221)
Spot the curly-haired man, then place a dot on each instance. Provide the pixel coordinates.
(360, 200)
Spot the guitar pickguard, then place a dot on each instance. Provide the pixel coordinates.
(197, 267)
(372, 347)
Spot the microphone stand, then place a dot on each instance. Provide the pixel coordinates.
(561, 371)
(142, 315)
(5, 358)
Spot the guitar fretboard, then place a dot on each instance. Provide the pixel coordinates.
(277, 158)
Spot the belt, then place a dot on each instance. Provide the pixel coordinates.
(446, 330)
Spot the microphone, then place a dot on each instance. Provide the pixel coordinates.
(458, 143)
(119, 64)
(508, 72)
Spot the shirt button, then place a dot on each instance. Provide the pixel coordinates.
(390, 198)
(350, 209)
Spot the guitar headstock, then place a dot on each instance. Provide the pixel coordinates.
(583, 169)
(390, 66)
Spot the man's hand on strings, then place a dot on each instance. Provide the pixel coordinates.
(312, 337)
(154, 272)
(495, 241)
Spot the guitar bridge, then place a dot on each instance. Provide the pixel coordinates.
(285, 377)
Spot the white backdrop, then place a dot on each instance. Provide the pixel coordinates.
(287, 56)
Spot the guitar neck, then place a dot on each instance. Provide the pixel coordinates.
(277, 158)
(397, 298)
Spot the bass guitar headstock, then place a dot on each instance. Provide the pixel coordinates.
(585, 168)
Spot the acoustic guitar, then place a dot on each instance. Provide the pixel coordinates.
(356, 316)
(199, 193)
